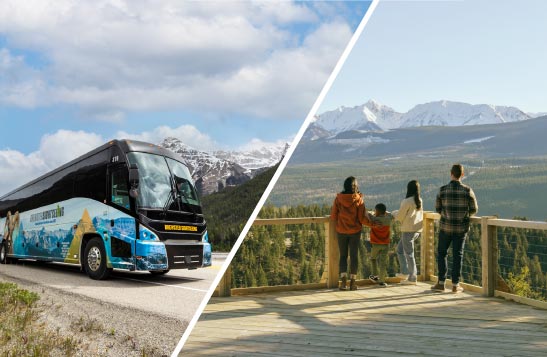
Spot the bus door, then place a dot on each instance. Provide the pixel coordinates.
(122, 226)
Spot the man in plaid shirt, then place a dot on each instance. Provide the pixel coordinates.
(456, 203)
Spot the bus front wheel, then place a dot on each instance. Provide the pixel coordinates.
(95, 260)
(4, 252)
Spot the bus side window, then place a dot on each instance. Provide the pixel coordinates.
(119, 189)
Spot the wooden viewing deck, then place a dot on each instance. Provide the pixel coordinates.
(372, 321)
(375, 321)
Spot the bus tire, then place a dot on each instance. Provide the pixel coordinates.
(4, 252)
(159, 272)
(95, 260)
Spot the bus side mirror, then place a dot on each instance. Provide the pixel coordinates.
(133, 180)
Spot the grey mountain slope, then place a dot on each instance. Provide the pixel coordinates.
(507, 139)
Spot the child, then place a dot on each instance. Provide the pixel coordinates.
(379, 239)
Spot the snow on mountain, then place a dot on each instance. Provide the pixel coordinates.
(370, 116)
(447, 113)
(255, 158)
(479, 140)
(214, 171)
(373, 116)
(537, 115)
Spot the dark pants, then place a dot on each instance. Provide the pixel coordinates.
(458, 243)
(348, 242)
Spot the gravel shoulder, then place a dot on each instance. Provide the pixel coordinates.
(103, 328)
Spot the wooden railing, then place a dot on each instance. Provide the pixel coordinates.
(330, 275)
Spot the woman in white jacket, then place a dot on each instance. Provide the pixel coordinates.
(410, 214)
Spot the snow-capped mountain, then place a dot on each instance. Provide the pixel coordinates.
(537, 115)
(255, 158)
(370, 116)
(214, 171)
(373, 116)
(447, 113)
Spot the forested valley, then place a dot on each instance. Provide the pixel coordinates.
(295, 254)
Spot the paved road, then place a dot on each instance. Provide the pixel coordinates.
(176, 294)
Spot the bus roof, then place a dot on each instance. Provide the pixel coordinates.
(124, 145)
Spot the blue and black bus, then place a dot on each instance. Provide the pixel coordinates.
(125, 205)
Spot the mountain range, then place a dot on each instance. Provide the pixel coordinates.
(373, 116)
(213, 171)
(376, 130)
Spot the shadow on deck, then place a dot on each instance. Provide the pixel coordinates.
(372, 321)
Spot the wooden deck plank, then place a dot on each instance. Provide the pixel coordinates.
(359, 337)
(371, 321)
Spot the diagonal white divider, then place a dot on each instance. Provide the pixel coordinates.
(275, 177)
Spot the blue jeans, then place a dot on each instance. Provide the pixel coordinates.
(458, 243)
(405, 254)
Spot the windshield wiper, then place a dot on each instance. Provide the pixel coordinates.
(167, 203)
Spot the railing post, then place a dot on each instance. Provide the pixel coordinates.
(332, 255)
(224, 287)
(489, 256)
(427, 254)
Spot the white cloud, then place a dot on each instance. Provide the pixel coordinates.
(20, 85)
(258, 144)
(188, 134)
(113, 56)
(55, 150)
(17, 169)
(64, 145)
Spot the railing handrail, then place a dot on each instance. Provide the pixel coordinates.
(498, 222)
(489, 225)
(298, 220)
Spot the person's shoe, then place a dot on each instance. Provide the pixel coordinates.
(352, 285)
(383, 284)
(401, 276)
(408, 282)
(438, 288)
(374, 278)
(343, 283)
(457, 288)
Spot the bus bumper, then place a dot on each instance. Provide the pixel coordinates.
(188, 255)
(172, 255)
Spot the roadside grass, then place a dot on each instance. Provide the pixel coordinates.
(20, 332)
(24, 333)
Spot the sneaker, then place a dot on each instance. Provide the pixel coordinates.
(352, 285)
(343, 283)
(383, 285)
(401, 276)
(457, 289)
(374, 278)
(438, 288)
(408, 282)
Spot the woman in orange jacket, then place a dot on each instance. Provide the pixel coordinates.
(349, 213)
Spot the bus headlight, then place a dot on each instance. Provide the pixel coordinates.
(205, 237)
(147, 234)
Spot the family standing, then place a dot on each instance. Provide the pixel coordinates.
(455, 202)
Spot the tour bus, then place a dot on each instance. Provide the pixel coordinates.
(125, 205)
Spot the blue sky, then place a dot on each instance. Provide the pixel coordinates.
(475, 51)
(218, 75)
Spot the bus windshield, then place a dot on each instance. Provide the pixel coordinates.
(158, 176)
